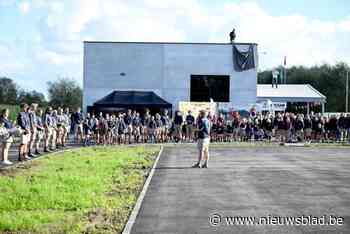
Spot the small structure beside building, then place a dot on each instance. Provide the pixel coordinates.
(293, 93)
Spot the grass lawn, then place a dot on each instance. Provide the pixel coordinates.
(90, 190)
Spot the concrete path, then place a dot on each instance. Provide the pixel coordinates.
(257, 182)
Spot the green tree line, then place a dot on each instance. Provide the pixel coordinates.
(330, 80)
(63, 92)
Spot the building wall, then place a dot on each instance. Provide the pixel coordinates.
(164, 68)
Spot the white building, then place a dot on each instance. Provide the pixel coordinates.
(174, 71)
(294, 93)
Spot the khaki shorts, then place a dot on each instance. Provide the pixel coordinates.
(78, 129)
(203, 144)
(178, 129)
(25, 138)
(39, 136)
(136, 131)
(308, 132)
(129, 129)
(8, 140)
(49, 132)
(189, 129)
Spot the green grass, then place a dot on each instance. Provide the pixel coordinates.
(91, 190)
(14, 109)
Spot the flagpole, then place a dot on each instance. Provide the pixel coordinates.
(347, 92)
(285, 70)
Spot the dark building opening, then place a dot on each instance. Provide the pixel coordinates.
(204, 87)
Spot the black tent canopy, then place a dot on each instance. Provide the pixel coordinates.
(119, 100)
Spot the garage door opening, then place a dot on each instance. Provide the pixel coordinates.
(204, 87)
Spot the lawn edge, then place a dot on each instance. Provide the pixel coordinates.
(132, 218)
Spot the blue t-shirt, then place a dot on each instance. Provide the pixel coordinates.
(204, 128)
(7, 123)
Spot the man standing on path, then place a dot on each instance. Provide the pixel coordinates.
(203, 140)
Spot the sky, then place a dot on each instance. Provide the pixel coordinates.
(42, 40)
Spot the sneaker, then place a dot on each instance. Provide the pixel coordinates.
(197, 165)
(47, 150)
(31, 155)
(205, 165)
(27, 157)
(6, 162)
(37, 152)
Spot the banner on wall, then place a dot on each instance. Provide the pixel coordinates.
(195, 107)
(272, 106)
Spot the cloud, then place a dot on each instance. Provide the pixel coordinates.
(63, 25)
(24, 7)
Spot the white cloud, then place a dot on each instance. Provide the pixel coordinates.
(24, 7)
(65, 24)
(9, 62)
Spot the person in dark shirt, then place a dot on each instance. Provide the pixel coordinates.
(128, 121)
(49, 128)
(121, 129)
(166, 126)
(235, 126)
(203, 141)
(40, 130)
(23, 122)
(136, 126)
(88, 126)
(333, 131)
(159, 127)
(342, 126)
(78, 120)
(144, 129)
(347, 126)
(178, 121)
(299, 128)
(308, 128)
(267, 126)
(33, 128)
(189, 126)
(7, 141)
(152, 125)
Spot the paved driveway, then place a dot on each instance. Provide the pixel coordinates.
(267, 183)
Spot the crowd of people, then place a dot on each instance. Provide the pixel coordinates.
(45, 131)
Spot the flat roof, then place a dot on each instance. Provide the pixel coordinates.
(181, 43)
(289, 93)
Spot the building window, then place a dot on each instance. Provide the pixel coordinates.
(204, 87)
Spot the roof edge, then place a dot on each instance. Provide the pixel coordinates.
(316, 91)
(180, 43)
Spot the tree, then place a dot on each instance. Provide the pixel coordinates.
(8, 91)
(65, 92)
(31, 97)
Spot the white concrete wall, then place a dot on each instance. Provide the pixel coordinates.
(164, 68)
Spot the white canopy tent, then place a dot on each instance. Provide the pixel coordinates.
(290, 93)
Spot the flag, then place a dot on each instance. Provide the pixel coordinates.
(285, 61)
(243, 60)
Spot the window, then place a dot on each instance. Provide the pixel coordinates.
(204, 87)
